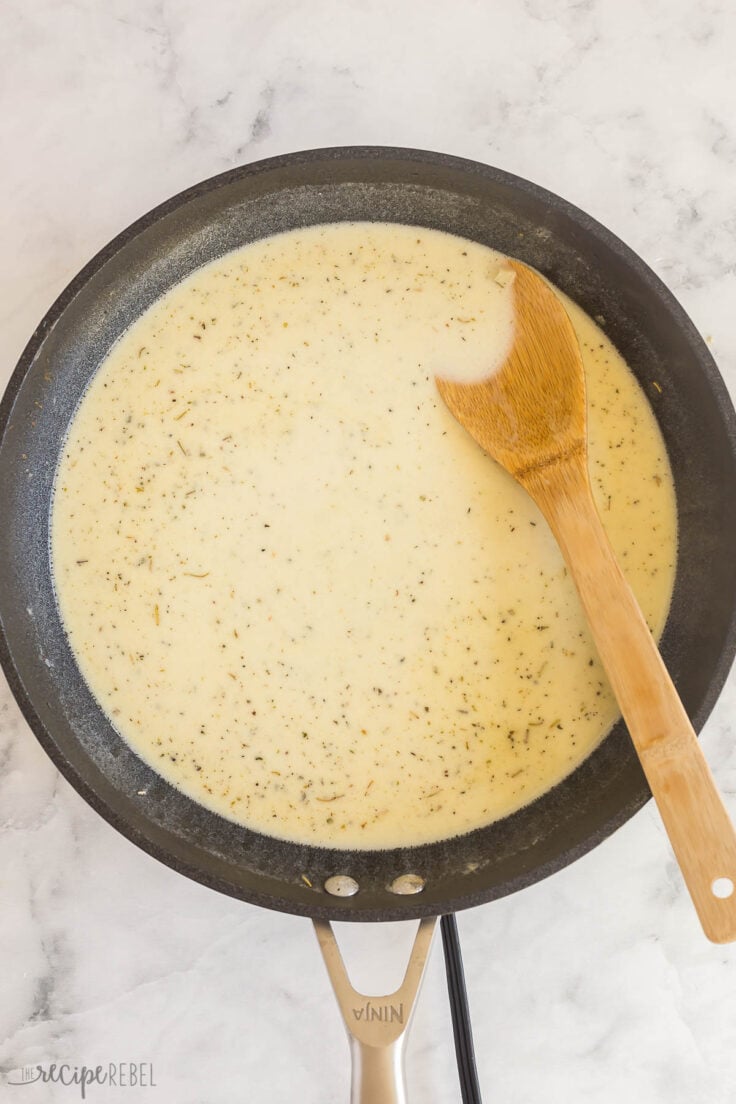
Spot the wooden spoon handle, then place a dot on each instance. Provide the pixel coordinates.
(693, 812)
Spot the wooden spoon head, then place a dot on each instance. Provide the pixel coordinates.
(531, 412)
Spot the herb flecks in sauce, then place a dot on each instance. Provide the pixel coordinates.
(299, 589)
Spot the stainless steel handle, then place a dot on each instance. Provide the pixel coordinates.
(377, 1026)
(378, 1073)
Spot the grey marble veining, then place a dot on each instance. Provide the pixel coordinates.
(595, 985)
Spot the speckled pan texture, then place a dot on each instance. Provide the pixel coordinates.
(484, 205)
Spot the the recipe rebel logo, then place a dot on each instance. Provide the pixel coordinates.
(121, 1075)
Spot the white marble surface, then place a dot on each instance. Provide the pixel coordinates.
(595, 985)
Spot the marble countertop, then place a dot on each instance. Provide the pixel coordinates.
(595, 985)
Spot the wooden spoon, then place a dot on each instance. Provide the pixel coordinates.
(530, 416)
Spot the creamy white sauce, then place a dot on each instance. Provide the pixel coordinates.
(297, 587)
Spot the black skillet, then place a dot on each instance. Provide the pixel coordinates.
(486, 205)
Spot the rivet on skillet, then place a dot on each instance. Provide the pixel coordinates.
(406, 884)
(342, 885)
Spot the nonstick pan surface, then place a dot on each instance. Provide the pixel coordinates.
(381, 184)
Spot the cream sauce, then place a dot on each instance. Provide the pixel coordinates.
(297, 587)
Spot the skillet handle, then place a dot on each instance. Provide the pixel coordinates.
(377, 1073)
(377, 1026)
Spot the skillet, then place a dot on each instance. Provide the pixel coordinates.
(485, 205)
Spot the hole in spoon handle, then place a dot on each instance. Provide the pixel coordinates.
(702, 836)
